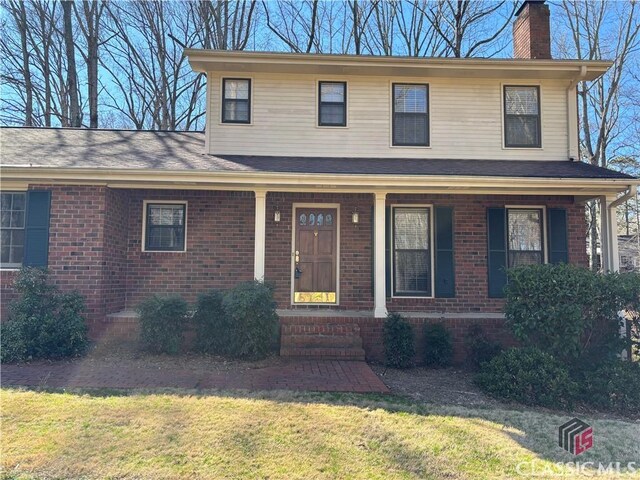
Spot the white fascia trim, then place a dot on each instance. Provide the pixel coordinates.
(180, 179)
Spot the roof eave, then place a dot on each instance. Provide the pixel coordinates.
(291, 63)
(198, 179)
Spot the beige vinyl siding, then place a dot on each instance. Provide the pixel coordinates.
(465, 119)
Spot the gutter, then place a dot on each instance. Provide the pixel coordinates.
(631, 192)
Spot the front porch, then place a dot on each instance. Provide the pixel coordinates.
(102, 242)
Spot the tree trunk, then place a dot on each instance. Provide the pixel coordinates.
(75, 118)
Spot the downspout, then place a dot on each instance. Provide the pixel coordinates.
(631, 192)
(570, 98)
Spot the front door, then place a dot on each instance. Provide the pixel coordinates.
(315, 256)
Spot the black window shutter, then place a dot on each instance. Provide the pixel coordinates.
(497, 254)
(36, 243)
(444, 268)
(387, 250)
(557, 232)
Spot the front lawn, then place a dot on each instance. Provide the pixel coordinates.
(282, 435)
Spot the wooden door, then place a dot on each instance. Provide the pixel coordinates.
(316, 254)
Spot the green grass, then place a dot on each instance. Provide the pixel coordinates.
(280, 435)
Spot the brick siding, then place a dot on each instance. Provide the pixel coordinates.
(96, 235)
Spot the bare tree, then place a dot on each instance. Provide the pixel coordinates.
(295, 23)
(600, 30)
(18, 12)
(89, 19)
(467, 27)
(75, 115)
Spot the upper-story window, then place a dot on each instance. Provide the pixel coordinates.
(236, 100)
(12, 229)
(410, 115)
(522, 117)
(332, 104)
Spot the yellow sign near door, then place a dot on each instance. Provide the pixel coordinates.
(314, 297)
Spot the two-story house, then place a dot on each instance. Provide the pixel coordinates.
(357, 185)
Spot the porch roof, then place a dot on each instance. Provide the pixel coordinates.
(121, 155)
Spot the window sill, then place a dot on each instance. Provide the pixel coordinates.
(234, 124)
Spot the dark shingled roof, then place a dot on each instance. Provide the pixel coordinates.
(130, 149)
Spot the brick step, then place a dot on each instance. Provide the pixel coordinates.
(328, 341)
(321, 341)
(338, 329)
(323, 353)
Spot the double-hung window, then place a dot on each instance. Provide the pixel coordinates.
(236, 100)
(522, 117)
(12, 229)
(410, 115)
(332, 104)
(165, 227)
(412, 251)
(525, 236)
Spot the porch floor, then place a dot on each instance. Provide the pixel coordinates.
(306, 375)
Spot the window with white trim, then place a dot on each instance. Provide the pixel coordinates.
(236, 100)
(522, 117)
(525, 244)
(12, 211)
(332, 104)
(410, 115)
(412, 251)
(165, 227)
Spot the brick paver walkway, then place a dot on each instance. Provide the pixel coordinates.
(323, 376)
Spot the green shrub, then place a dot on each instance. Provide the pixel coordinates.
(398, 338)
(13, 347)
(570, 312)
(43, 322)
(613, 386)
(480, 349)
(438, 345)
(529, 376)
(251, 313)
(162, 323)
(212, 327)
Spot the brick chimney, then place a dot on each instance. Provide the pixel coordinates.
(531, 34)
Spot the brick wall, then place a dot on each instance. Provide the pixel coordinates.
(115, 249)
(355, 247)
(220, 233)
(96, 235)
(470, 234)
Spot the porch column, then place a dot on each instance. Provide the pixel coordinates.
(380, 296)
(609, 235)
(260, 234)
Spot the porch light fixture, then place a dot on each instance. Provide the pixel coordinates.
(355, 216)
(276, 215)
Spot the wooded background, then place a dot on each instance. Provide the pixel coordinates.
(120, 64)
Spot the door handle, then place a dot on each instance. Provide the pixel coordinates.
(297, 256)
